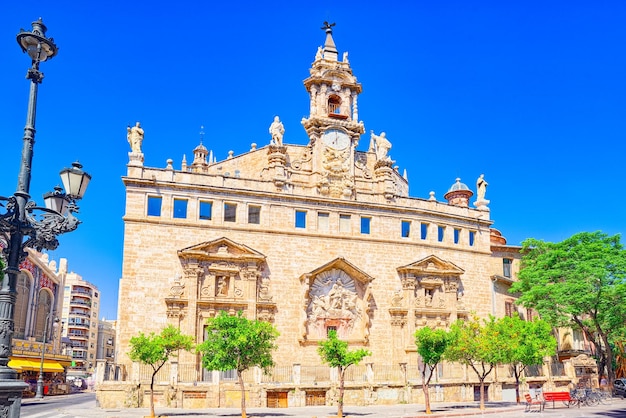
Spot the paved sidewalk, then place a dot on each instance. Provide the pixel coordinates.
(90, 410)
(440, 410)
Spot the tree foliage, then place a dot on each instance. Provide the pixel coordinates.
(528, 342)
(578, 282)
(335, 353)
(238, 343)
(431, 346)
(156, 349)
(477, 344)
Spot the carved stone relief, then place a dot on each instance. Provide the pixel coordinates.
(333, 295)
(229, 277)
(337, 296)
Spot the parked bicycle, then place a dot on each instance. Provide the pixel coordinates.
(585, 397)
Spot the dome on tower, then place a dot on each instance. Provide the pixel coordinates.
(458, 186)
(458, 194)
(200, 148)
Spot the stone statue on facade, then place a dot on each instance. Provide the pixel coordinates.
(319, 54)
(277, 130)
(135, 137)
(481, 188)
(381, 146)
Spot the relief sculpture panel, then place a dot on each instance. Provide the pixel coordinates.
(337, 297)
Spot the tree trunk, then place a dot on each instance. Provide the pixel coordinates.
(341, 389)
(609, 360)
(425, 387)
(517, 374)
(482, 393)
(426, 398)
(152, 395)
(243, 394)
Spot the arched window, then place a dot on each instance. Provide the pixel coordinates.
(334, 105)
(44, 306)
(23, 287)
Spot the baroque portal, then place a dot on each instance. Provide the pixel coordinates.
(337, 297)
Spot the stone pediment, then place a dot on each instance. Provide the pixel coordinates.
(431, 266)
(221, 249)
(339, 263)
(337, 295)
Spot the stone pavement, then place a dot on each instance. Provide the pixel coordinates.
(440, 410)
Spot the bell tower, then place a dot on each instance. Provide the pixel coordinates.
(332, 126)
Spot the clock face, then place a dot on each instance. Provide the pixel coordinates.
(334, 138)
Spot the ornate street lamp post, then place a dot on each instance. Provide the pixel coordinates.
(20, 227)
(39, 393)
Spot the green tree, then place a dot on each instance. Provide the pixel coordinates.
(156, 349)
(579, 283)
(431, 345)
(478, 345)
(237, 343)
(335, 353)
(528, 342)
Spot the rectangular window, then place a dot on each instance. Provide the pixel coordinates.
(508, 309)
(154, 205)
(457, 234)
(365, 225)
(406, 229)
(180, 208)
(441, 230)
(344, 223)
(206, 210)
(322, 221)
(254, 214)
(472, 237)
(300, 219)
(529, 314)
(506, 267)
(228, 374)
(230, 212)
(423, 231)
(329, 329)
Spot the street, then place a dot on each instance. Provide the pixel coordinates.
(83, 405)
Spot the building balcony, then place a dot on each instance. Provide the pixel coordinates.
(78, 326)
(81, 292)
(80, 336)
(80, 313)
(572, 352)
(80, 302)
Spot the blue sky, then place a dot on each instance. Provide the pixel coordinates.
(530, 93)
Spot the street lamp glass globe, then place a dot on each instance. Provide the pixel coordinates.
(75, 181)
(55, 200)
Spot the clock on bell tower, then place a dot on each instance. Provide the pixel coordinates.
(332, 126)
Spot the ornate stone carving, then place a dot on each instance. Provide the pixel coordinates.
(265, 314)
(337, 181)
(398, 319)
(333, 296)
(396, 299)
(451, 285)
(304, 160)
(337, 295)
(408, 283)
(360, 163)
(221, 286)
(176, 310)
(264, 290)
(178, 288)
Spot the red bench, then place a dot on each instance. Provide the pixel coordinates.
(559, 396)
(530, 402)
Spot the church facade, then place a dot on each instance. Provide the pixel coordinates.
(309, 237)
